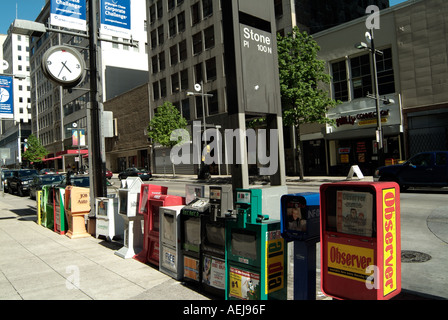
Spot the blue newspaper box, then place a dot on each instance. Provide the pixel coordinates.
(300, 216)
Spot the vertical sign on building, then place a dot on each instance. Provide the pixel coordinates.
(6, 98)
(69, 14)
(116, 18)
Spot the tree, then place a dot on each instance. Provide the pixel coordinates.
(301, 74)
(35, 151)
(166, 119)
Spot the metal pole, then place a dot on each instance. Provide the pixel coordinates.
(377, 101)
(95, 173)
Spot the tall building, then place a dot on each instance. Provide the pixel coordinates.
(14, 131)
(121, 67)
(186, 47)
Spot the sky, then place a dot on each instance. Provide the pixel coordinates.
(30, 9)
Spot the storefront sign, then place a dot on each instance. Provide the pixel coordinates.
(362, 119)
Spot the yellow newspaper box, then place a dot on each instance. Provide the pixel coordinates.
(77, 205)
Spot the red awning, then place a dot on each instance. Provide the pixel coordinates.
(54, 158)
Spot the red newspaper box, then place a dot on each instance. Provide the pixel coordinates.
(144, 208)
(360, 240)
(151, 233)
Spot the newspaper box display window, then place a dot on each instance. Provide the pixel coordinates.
(360, 240)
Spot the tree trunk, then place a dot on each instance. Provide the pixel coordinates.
(299, 149)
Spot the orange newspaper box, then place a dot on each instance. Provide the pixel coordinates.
(77, 205)
(360, 240)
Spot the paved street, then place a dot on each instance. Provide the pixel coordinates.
(424, 218)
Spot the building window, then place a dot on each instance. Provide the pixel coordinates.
(198, 103)
(159, 9)
(209, 37)
(171, 4)
(163, 88)
(198, 73)
(155, 64)
(181, 22)
(174, 57)
(207, 8)
(153, 39)
(186, 108)
(152, 13)
(175, 83)
(172, 27)
(361, 76)
(386, 82)
(162, 61)
(278, 8)
(213, 103)
(197, 43)
(340, 84)
(160, 34)
(183, 50)
(195, 14)
(210, 67)
(184, 79)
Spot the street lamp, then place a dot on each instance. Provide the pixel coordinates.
(374, 52)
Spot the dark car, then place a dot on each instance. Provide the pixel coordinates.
(20, 181)
(5, 175)
(80, 180)
(47, 171)
(43, 180)
(143, 174)
(426, 169)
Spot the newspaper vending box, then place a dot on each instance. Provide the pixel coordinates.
(171, 258)
(60, 221)
(144, 209)
(300, 224)
(128, 196)
(77, 205)
(213, 242)
(108, 222)
(360, 240)
(255, 250)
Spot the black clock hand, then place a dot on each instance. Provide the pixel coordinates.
(61, 68)
(64, 63)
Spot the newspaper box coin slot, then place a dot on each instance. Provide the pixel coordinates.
(300, 224)
(255, 250)
(77, 205)
(360, 240)
(171, 258)
(128, 197)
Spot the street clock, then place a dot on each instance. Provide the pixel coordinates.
(64, 66)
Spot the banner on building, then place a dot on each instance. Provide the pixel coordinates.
(116, 18)
(6, 98)
(69, 14)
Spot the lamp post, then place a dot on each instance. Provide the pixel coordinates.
(199, 88)
(379, 131)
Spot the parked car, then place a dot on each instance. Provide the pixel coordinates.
(426, 169)
(6, 173)
(21, 180)
(109, 174)
(78, 180)
(47, 171)
(143, 174)
(43, 180)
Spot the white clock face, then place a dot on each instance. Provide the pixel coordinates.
(63, 65)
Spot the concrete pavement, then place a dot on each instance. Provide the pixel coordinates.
(38, 263)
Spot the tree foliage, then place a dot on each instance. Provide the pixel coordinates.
(301, 77)
(35, 151)
(166, 119)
